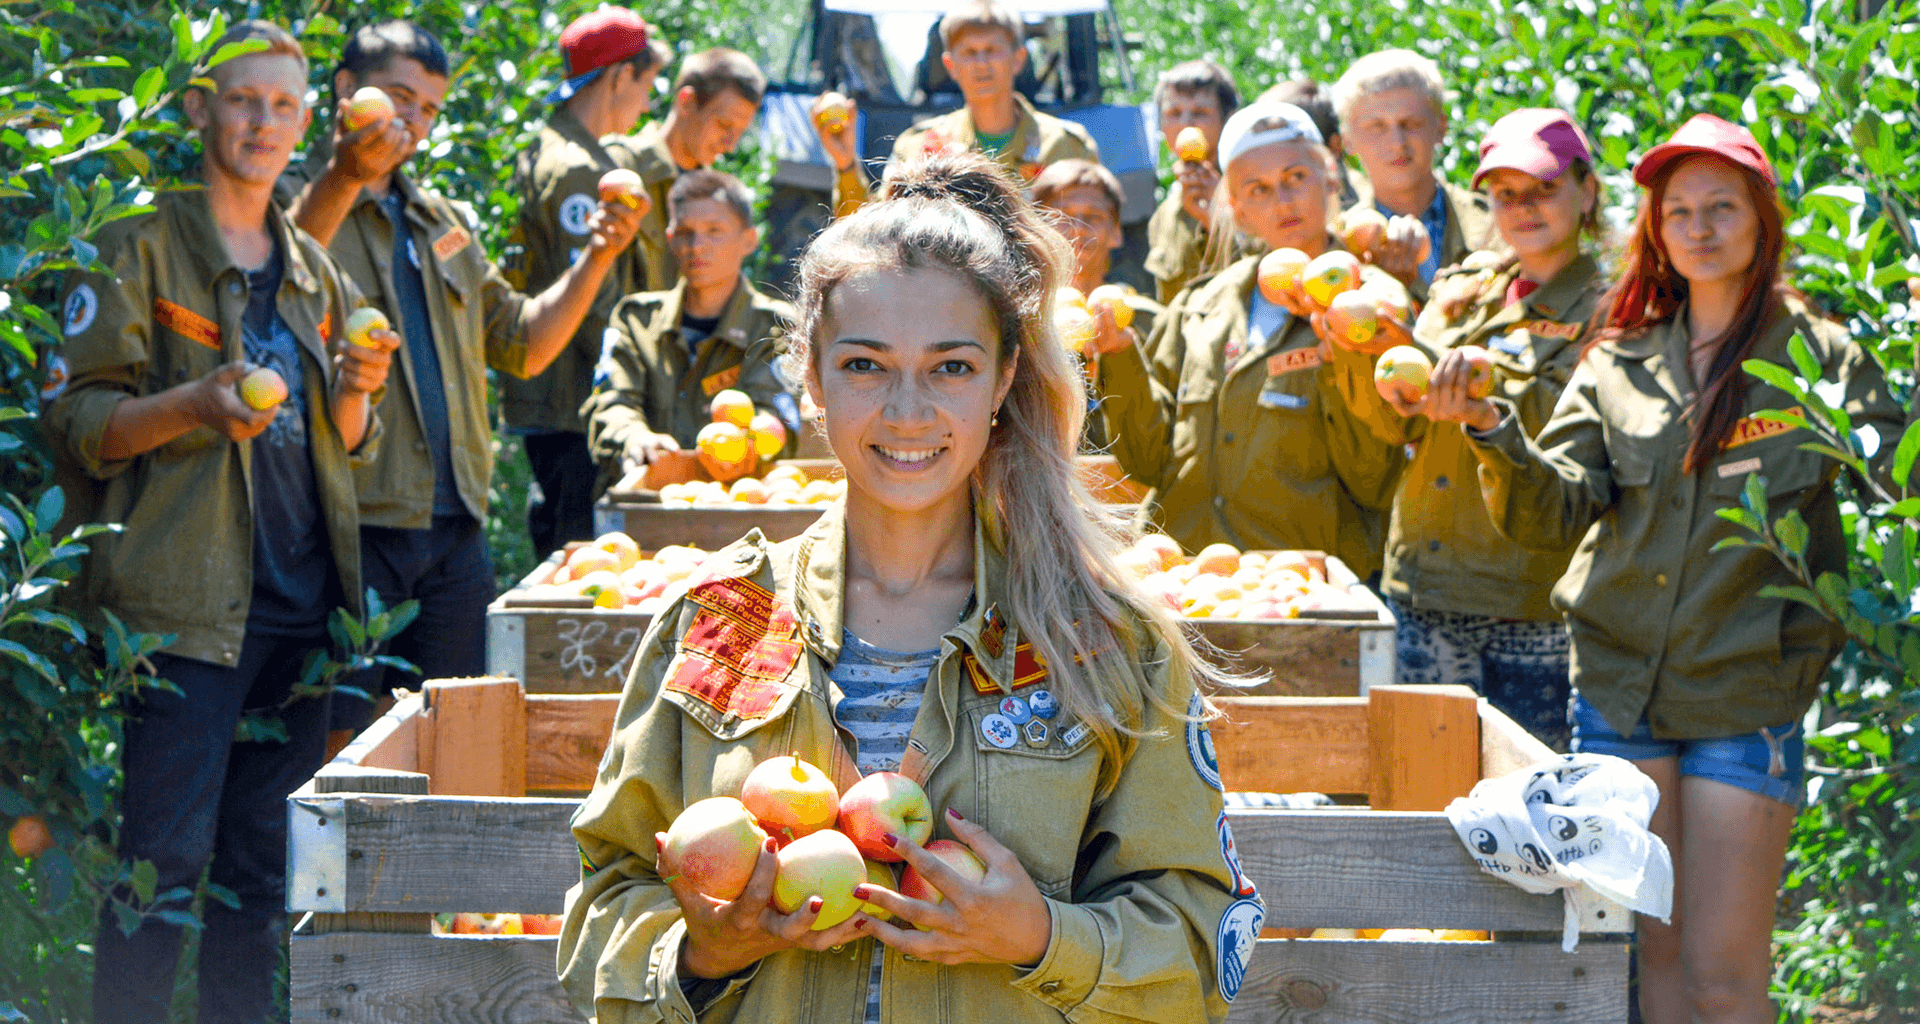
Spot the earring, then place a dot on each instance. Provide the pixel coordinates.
(996, 419)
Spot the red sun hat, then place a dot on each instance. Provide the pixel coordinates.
(1705, 133)
(596, 40)
(1539, 141)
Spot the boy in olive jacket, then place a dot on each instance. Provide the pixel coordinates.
(240, 530)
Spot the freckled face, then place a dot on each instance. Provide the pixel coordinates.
(1707, 221)
(906, 370)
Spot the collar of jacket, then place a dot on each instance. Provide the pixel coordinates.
(1026, 131)
(418, 207)
(653, 158)
(1550, 301)
(734, 316)
(819, 586)
(564, 124)
(1664, 348)
(192, 223)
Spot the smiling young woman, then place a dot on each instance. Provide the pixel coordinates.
(958, 620)
(1681, 662)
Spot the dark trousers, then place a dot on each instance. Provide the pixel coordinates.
(565, 471)
(445, 568)
(195, 796)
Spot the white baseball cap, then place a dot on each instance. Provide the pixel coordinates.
(1263, 123)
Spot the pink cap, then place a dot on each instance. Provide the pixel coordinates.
(1705, 133)
(1539, 141)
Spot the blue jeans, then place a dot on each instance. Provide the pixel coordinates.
(193, 796)
(1771, 762)
(1520, 666)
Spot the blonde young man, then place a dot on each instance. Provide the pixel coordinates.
(984, 53)
(1393, 115)
(240, 533)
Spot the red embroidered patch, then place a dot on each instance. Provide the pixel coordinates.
(453, 241)
(186, 323)
(1753, 428)
(739, 650)
(1552, 329)
(1297, 359)
(1028, 670)
(326, 328)
(715, 383)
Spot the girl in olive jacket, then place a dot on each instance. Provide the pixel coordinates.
(1054, 719)
(1228, 411)
(1680, 662)
(1472, 606)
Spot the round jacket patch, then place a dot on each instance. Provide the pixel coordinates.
(1200, 744)
(574, 211)
(1234, 942)
(82, 305)
(999, 731)
(1242, 885)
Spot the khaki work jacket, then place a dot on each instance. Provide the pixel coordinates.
(1039, 140)
(648, 380)
(1093, 433)
(1176, 244)
(1470, 226)
(1250, 447)
(1663, 624)
(558, 181)
(479, 321)
(166, 310)
(1443, 552)
(1144, 892)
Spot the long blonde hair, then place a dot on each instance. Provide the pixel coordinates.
(1086, 618)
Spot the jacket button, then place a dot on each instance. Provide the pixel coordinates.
(1219, 501)
(1228, 438)
(1440, 482)
(233, 605)
(1433, 545)
(235, 287)
(1660, 579)
(1679, 502)
(1050, 987)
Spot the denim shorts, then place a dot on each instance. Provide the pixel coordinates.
(1770, 761)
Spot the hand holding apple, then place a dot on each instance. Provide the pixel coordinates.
(726, 937)
(1455, 394)
(996, 917)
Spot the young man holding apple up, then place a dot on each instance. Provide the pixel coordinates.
(1393, 114)
(667, 354)
(985, 50)
(215, 408)
(423, 501)
(1193, 98)
(613, 58)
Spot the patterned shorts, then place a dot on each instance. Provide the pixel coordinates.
(1520, 666)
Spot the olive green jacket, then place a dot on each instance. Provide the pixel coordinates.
(164, 310)
(1257, 450)
(645, 152)
(1470, 226)
(649, 381)
(1443, 552)
(558, 181)
(1664, 624)
(1176, 244)
(1093, 433)
(479, 321)
(1143, 899)
(1038, 141)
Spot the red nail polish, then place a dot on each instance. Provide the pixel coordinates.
(771, 845)
(814, 904)
(860, 892)
(860, 923)
(956, 814)
(890, 839)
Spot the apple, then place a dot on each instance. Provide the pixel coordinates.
(1068, 296)
(725, 449)
(29, 837)
(1279, 274)
(541, 924)
(1329, 275)
(881, 803)
(790, 798)
(1075, 325)
(1390, 297)
(881, 875)
(1114, 297)
(748, 491)
(731, 406)
(363, 322)
(955, 856)
(589, 558)
(715, 845)
(621, 185)
(487, 924)
(1354, 319)
(1191, 144)
(367, 106)
(769, 434)
(1364, 229)
(834, 113)
(1219, 559)
(1402, 370)
(624, 549)
(262, 389)
(1166, 547)
(824, 864)
(1480, 367)
(605, 587)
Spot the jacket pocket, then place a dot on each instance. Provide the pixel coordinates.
(1632, 460)
(1035, 773)
(1191, 416)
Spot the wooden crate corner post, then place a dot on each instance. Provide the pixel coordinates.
(1425, 746)
(478, 736)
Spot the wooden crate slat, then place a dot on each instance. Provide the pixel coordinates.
(514, 855)
(566, 734)
(479, 736)
(657, 526)
(1357, 868)
(371, 978)
(1505, 746)
(1301, 980)
(1292, 744)
(1425, 744)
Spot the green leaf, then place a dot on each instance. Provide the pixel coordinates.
(1754, 495)
(94, 95)
(1776, 375)
(31, 659)
(47, 512)
(1741, 517)
(1834, 594)
(232, 50)
(1802, 357)
(1906, 508)
(1789, 593)
(143, 878)
(148, 86)
(1904, 455)
(1792, 531)
(50, 620)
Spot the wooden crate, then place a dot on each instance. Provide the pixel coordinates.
(430, 811)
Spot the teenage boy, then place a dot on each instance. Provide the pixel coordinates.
(1317, 101)
(715, 99)
(423, 501)
(668, 353)
(1393, 114)
(240, 533)
(1196, 94)
(984, 52)
(612, 59)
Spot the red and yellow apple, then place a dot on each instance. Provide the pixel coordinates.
(363, 322)
(823, 864)
(1480, 371)
(714, 844)
(769, 434)
(790, 798)
(1402, 371)
(29, 837)
(1114, 298)
(1328, 275)
(732, 406)
(1279, 275)
(1353, 318)
(956, 856)
(1191, 144)
(1363, 229)
(834, 113)
(368, 105)
(882, 803)
(881, 875)
(262, 389)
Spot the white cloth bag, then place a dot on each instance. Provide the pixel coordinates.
(1578, 824)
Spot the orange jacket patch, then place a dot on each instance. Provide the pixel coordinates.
(1028, 670)
(451, 242)
(326, 328)
(739, 650)
(718, 382)
(186, 323)
(1753, 428)
(1287, 362)
(1552, 329)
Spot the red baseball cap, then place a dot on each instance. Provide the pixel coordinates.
(1705, 133)
(596, 40)
(1539, 141)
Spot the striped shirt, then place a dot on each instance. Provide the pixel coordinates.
(879, 697)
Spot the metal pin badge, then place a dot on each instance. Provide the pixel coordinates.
(1016, 710)
(1037, 733)
(999, 731)
(1043, 704)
